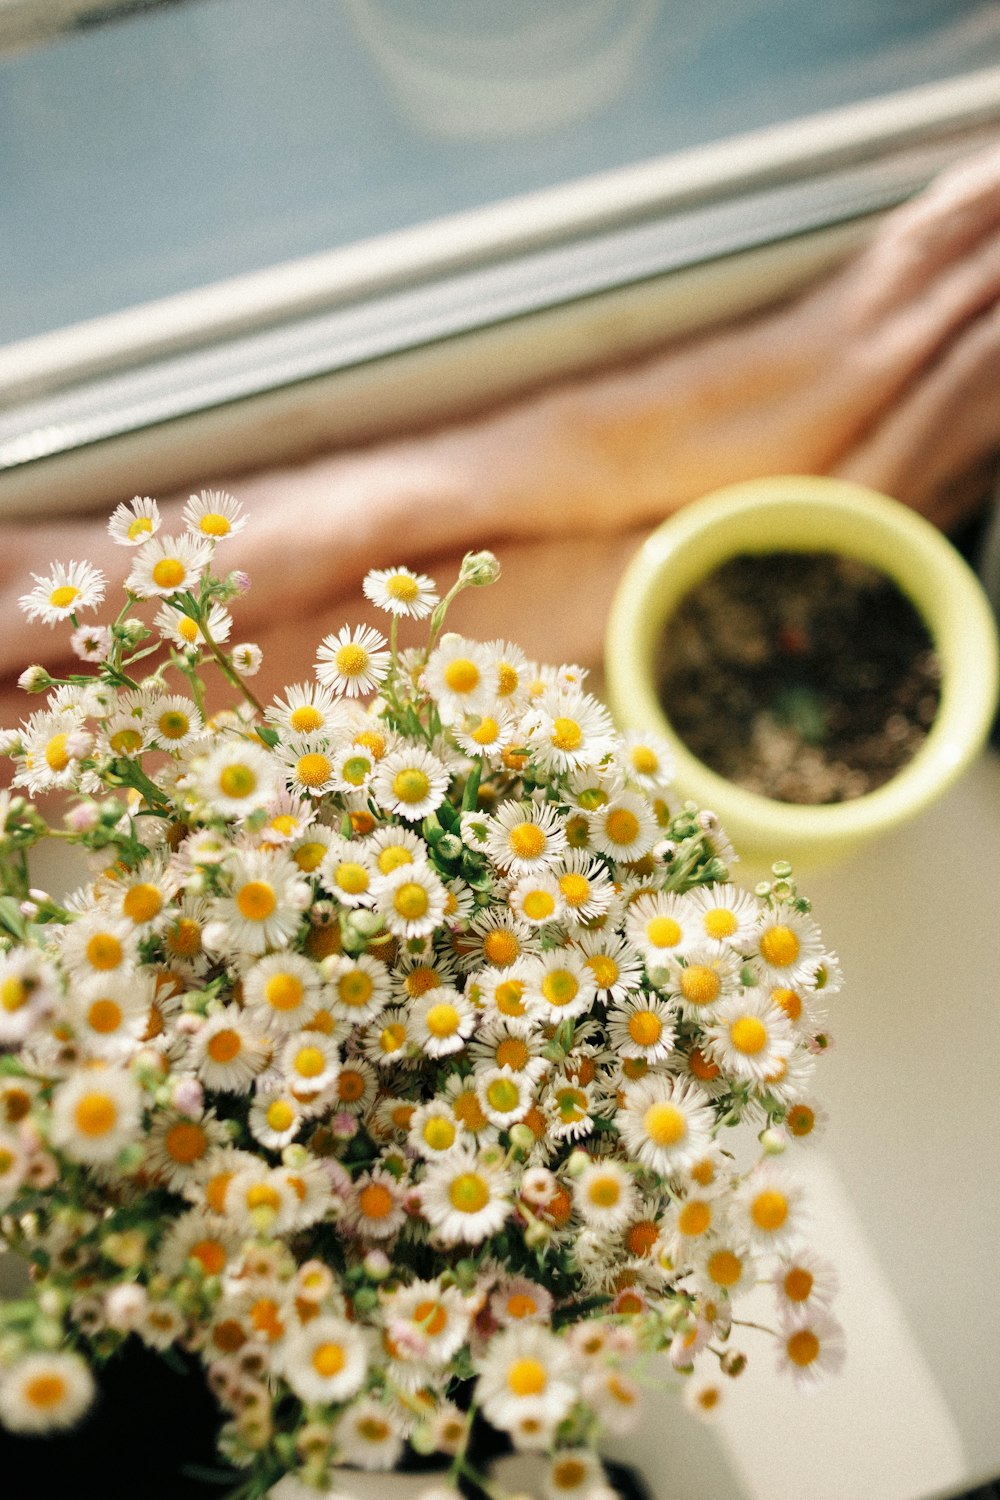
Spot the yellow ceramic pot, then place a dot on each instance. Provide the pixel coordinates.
(810, 514)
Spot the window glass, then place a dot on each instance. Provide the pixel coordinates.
(179, 145)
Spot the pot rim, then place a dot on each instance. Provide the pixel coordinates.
(811, 513)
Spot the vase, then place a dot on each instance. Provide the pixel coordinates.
(809, 514)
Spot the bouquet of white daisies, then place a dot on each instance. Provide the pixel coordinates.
(408, 1040)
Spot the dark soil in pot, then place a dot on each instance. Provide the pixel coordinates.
(804, 676)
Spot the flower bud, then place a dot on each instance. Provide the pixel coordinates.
(34, 679)
(479, 568)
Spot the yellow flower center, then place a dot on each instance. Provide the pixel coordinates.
(351, 878)
(62, 597)
(798, 1284)
(508, 996)
(56, 755)
(779, 946)
(621, 826)
(439, 1134)
(748, 1035)
(527, 1377)
(461, 675)
(305, 719)
(566, 734)
(644, 760)
(501, 947)
(104, 1017)
(431, 1317)
(503, 1095)
(664, 1124)
(507, 679)
(210, 1255)
(313, 769)
(141, 526)
(104, 951)
(568, 1474)
(355, 987)
(468, 1109)
(640, 1238)
(513, 1052)
(694, 1218)
(442, 1019)
(375, 1201)
(486, 731)
(801, 1120)
(351, 660)
(256, 901)
(237, 781)
(185, 1142)
(350, 1086)
(13, 994)
(224, 1046)
(538, 905)
(469, 1193)
(95, 1114)
(527, 840)
(184, 938)
(392, 1037)
(173, 725)
(188, 629)
(45, 1392)
(521, 1305)
(411, 901)
(411, 785)
(355, 769)
(769, 1209)
(308, 856)
(725, 1268)
(142, 902)
(392, 857)
(169, 573)
(309, 1062)
(560, 987)
(645, 1028)
(328, 1359)
(803, 1347)
(214, 524)
(604, 969)
(575, 888)
(663, 932)
(125, 741)
(720, 922)
(402, 587)
(604, 1192)
(700, 985)
(283, 991)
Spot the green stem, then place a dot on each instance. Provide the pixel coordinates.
(228, 670)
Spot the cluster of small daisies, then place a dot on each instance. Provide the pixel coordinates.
(394, 1058)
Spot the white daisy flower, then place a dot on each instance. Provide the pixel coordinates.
(641, 1026)
(310, 766)
(516, 1299)
(234, 780)
(96, 1112)
(434, 1130)
(375, 1208)
(525, 1369)
(390, 1042)
(227, 1052)
(805, 1119)
(259, 1200)
(810, 1346)
(310, 1061)
(785, 947)
(357, 988)
(585, 887)
(768, 1208)
(415, 973)
(63, 592)
(705, 978)
(804, 1280)
(307, 708)
(648, 760)
(525, 837)
(614, 963)
(485, 736)
(726, 914)
(412, 900)
(247, 658)
(604, 1195)
(134, 521)
(429, 1321)
(349, 871)
(99, 944)
(51, 748)
(509, 1043)
(505, 1096)
(354, 767)
(410, 782)
(214, 514)
(186, 634)
(393, 845)
(172, 722)
(665, 1124)
(566, 730)
(464, 1200)
(178, 1145)
(625, 828)
(748, 1036)
(726, 1267)
(461, 677)
(29, 990)
(326, 1361)
(537, 899)
(614, 1396)
(704, 1395)
(569, 1108)
(45, 1392)
(355, 1086)
(368, 1436)
(576, 1473)
(203, 1237)
(125, 734)
(497, 937)
(353, 662)
(265, 904)
(401, 591)
(559, 984)
(282, 992)
(276, 1118)
(109, 1015)
(168, 565)
(514, 672)
(441, 1021)
(690, 1224)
